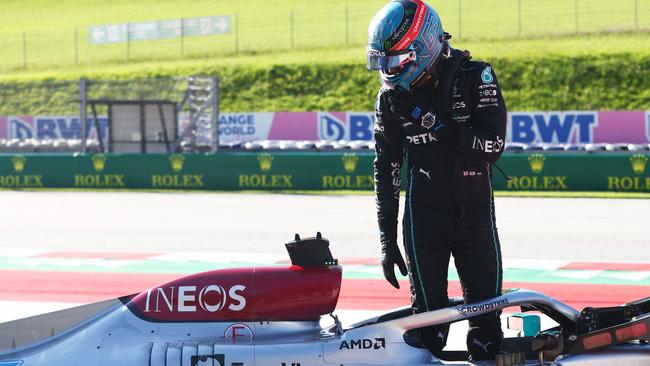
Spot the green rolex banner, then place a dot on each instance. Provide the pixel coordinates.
(306, 171)
(575, 172)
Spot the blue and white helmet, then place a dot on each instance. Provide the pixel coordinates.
(405, 42)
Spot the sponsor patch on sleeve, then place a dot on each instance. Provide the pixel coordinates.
(486, 75)
(488, 90)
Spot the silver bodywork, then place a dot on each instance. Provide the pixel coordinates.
(115, 336)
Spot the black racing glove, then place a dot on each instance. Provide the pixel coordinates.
(410, 106)
(391, 256)
(415, 107)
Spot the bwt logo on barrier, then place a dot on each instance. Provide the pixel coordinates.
(357, 126)
(552, 127)
(53, 127)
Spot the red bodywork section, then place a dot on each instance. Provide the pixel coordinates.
(247, 294)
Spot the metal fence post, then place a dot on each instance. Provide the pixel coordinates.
(76, 45)
(291, 24)
(182, 37)
(460, 21)
(519, 15)
(236, 33)
(347, 26)
(83, 113)
(24, 50)
(128, 42)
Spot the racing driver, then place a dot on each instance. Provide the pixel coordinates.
(443, 114)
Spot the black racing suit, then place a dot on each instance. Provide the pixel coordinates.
(449, 205)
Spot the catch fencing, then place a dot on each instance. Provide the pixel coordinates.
(311, 25)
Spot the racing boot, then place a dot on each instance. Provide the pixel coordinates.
(483, 343)
(434, 338)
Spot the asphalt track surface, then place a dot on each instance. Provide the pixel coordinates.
(539, 228)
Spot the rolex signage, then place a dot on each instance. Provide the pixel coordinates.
(17, 177)
(266, 162)
(324, 170)
(19, 163)
(536, 179)
(177, 178)
(350, 162)
(536, 163)
(265, 178)
(98, 179)
(349, 178)
(637, 180)
(639, 163)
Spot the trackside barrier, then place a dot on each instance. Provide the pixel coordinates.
(306, 171)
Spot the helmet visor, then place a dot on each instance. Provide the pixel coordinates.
(379, 60)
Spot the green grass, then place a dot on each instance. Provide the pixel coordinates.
(513, 49)
(264, 29)
(580, 82)
(537, 69)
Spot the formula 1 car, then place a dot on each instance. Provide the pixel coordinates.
(271, 316)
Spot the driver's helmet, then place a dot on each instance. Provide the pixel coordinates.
(405, 41)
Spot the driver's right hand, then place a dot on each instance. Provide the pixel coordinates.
(391, 256)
